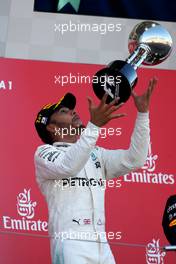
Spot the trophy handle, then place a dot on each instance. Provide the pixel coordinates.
(138, 56)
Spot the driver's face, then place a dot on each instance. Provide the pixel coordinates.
(67, 117)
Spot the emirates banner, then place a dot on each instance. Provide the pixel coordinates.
(134, 202)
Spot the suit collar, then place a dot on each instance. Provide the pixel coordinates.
(62, 144)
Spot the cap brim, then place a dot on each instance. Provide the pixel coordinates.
(69, 101)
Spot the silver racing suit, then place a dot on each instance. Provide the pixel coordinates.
(72, 178)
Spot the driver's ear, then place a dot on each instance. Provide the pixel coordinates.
(51, 128)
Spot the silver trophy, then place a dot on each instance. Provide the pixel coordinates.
(149, 44)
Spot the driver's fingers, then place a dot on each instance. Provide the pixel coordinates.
(113, 108)
(115, 101)
(117, 116)
(103, 100)
(151, 87)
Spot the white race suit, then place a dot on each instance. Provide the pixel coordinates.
(71, 177)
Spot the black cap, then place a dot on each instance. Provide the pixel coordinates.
(43, 117)
(169, 220)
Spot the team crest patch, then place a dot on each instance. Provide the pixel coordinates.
(95, 160)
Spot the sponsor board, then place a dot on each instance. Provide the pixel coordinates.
(26, 211)
(148, 174)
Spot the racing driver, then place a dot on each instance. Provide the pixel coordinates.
(70, 167)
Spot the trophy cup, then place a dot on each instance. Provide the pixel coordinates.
(149, 44)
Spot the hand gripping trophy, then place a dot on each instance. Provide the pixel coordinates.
(149, 44)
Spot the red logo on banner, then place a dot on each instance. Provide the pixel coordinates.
(148, 173)
(5, 85)
(25, 208)
(154, 254)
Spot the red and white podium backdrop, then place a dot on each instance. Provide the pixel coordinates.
(134, 207)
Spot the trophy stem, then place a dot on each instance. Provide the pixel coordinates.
(138, 56)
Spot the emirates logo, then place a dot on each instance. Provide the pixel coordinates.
(25, 207)
(154, 254)
(150, 162)
(148, 174)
